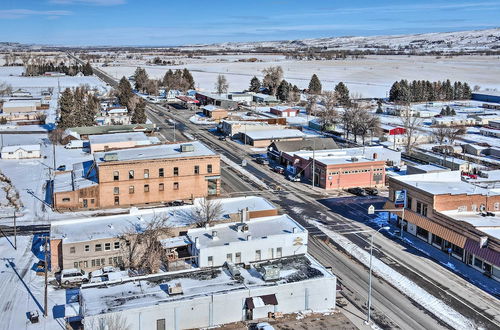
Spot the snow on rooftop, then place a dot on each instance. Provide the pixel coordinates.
(441, 183)
(258, 228)
(118, 137)
(275, 134)
(211, 108)
(488, 224)
(84, 229)
(153, 289)
(157, 152)
(26, 147)
(23, 103)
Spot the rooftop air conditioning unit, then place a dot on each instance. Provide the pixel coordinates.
(271, 272)
(354, 159)
(112, 156)
(175, 289)
(187, 147)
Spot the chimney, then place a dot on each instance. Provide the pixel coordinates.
(249, 237)
(294, 230)
(214, 235)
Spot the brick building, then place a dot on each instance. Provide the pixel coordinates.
(455, 216)
(139, 176)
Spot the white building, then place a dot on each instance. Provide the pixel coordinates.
(21, 151)
(19, 106)
(105, 142)
(206, 298)
(245, 242)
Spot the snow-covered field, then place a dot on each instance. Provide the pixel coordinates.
(371, 76)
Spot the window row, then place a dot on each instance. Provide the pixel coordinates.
(271, 254)
(131, 189)
(98, 247)
(161, 172)
(100, 262)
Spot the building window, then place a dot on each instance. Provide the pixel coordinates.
(146, 188)
(409, 202)
(229, 257)
(257, 255)
(161, 173)
(117, 245)
(422, 208)
(176, 171)
(160, 324)
(131, 189)
(116, 176)
(87, 248)
(85, 263)
(209, 168)
(72, 249)
(474, 208)
(210, 261)
(92, 201)
(146, 174)
(196, 169)
(270, 253)
(279, 252)
(117, 200)
(116, 190)
(478, 262)
(422, 233)
(107, 246)
(176, 185)
(66, 199)
(237, 257)
(98, 247)
(130, 174)
(496, 206)
(75, 264)
(161, 187)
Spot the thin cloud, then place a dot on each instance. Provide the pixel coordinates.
(88, 2)
(23, 13)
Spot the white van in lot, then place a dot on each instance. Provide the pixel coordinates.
(73, 276)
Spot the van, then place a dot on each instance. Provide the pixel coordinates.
(74, 144)
(73, 276)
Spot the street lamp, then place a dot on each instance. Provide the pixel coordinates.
(370, 277)
(372, 210)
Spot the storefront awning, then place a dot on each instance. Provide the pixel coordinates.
(260, 301)
(485, 253)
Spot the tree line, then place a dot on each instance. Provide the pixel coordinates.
(70, 70)
(172, 80)
(136, 105)
(427, 91)
(78, 107)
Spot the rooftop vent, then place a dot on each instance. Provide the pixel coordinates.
(175, 289)
(242, 227)
(187, 147)
(214, 235)
(354, 159)
(271, 272)
(111, 156)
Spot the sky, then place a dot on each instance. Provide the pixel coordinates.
(170, 23)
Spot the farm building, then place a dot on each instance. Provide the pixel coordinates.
(21, 151)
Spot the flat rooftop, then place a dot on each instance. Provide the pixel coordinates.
(145, 291)
(157, 152)
(118, 137)
(488, 224)
(275, 134)
(442, 183)
(85, 229)
(259, 228)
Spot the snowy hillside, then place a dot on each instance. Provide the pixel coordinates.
(443, 41)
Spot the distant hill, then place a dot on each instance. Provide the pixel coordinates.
(463, 41)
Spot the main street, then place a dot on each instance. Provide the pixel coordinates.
(392, 308)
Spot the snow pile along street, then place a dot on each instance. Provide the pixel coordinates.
(435, 306)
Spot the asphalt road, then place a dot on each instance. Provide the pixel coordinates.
(392, 308)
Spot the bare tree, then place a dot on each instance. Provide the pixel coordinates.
(221, 84)
(312, 105)
(273, 76)
(140, 244)
(329, 115)
(440, 132)
(5, 89)
(206, 212)
(108, 322)
(56, 136)
(411, 125)
(455, 132)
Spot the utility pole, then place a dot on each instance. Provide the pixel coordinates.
(45, 301)
(15, 231)
(314, 164)
(174, 130)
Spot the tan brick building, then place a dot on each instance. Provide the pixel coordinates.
(140, 176)
(90, 243)
(454, 216)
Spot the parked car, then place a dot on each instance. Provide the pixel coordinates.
(372, 191)
(62, 168)
(74, 144)
(279, 169)
(73, 276)
(262, 160)
(175, 203)
(293, 178)
(357, 191)
(264, 326)
(222, 138)
(103, 271)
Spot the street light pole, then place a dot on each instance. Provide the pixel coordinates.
(174, 130)
(370, 276)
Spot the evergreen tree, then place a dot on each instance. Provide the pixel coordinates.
(124, 91)
(342, 94)
(139, 115)
(379, 107)
(452, 112)
(141, 79)
(466, 92)
(314, 85)
(188, 80)
(87, 69)
(295, 94)
(66, 105)
(283, 91)
(254, 85)
(168, 80)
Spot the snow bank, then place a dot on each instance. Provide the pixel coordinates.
(432, 304)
